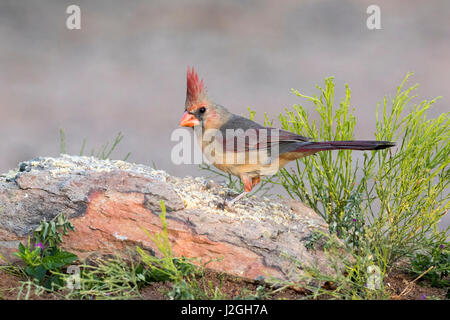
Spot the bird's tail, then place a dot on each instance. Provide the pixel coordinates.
(345, 145)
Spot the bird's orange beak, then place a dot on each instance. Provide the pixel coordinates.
(189, 120)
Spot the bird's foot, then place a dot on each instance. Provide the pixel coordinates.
(222, 205)
(230, 203)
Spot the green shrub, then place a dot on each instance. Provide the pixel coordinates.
(401, 195)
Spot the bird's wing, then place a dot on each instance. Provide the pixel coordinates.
(240, 134)
(290, 136)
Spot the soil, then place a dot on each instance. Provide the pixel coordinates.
(10, 287)
(231, 287)
(398, 282)
(401, 285)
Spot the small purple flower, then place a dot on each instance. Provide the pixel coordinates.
(423, 297)
(40, 245)
(441, 246)
(354, 219)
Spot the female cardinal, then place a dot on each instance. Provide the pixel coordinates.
(242, 147)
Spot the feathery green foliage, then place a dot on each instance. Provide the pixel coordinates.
(401, 194)
(384, 209)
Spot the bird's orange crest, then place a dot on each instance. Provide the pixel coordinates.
(196, 90)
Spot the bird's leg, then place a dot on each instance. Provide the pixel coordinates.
(248, 186)
(255, 181)
(230, 203)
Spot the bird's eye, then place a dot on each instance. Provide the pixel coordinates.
(202, 110)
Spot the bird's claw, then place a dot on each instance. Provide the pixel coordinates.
(222, 205)
(225, 204)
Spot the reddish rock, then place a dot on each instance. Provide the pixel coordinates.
(112, 203)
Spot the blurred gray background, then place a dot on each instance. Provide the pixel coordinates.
(125, 69)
